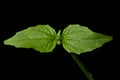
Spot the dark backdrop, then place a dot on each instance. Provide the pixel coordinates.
(28, 63)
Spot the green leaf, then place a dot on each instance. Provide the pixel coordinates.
(79, 39)
(41, 38)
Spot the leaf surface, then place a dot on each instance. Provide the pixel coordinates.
(40, 38)
(79, 39)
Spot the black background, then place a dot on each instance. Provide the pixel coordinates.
(28, 63)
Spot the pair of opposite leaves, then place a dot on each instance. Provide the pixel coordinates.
(43, 38)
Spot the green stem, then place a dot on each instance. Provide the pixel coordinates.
(80, 64)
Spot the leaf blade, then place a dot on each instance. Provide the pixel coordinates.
(79, 39)
(40, 38)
